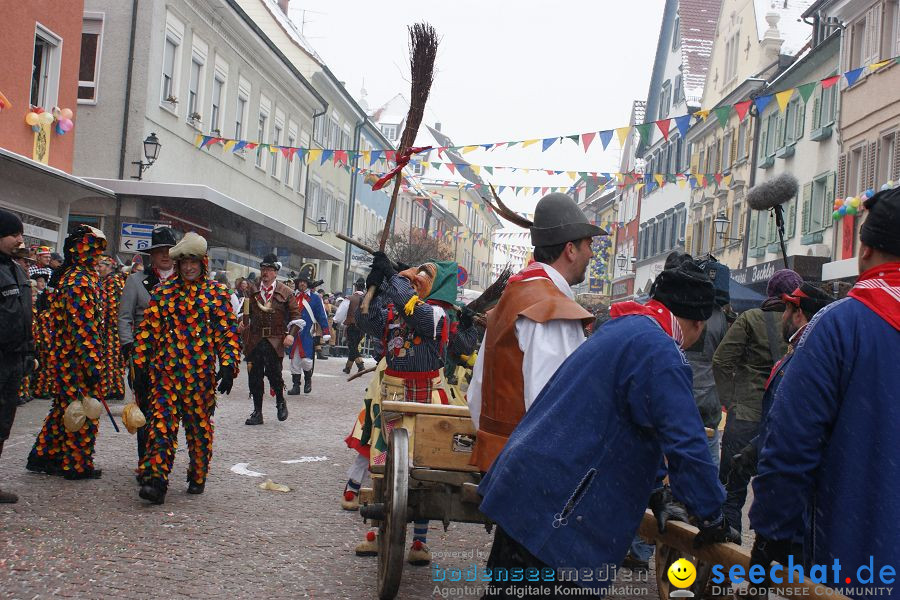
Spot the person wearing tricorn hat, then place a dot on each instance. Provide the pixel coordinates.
(835, 422)
(597, 435)
(134, 300)
(76, 320)
(303, 354)
(265, 320)
(187, 328)
(534, 327)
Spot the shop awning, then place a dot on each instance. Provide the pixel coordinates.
(218, 209)
(24, 177)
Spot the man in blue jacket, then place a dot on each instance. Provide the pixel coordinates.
(588, 452)
(834, 426)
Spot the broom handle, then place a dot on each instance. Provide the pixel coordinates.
(370, 293)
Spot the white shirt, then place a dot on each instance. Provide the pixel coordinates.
(237, 303)
(266, 292)
(545, 346)
(340, 315)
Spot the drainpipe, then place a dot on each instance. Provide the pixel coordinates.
(351, 210)
(117, 231)
(754, 156)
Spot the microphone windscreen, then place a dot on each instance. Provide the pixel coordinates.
(772, 193)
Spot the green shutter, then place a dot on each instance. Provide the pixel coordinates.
(829, 198)
(807, 211)
(754, 223)
(817, 110)
(763, 136)
(791, 218)
(770, 228)
(800, 121)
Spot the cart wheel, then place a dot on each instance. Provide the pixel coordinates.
(392, 531)
(665, 556)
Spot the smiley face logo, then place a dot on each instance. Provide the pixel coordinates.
(682, 573)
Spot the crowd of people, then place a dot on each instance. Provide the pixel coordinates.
(616, 414)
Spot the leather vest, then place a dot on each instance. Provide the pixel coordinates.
(503, 385)
(268, 324)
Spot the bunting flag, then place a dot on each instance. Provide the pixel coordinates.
(587, 138)
(527, 143)
(644, 132)
(783, 98)
(806, 90)
(313, 155)
(605, 137)
(830, 81)
(722, 114)
(547, 143)
(878, 65)
(762, 102)
(702, 114)
(741, 108)
(683, 123)
(623, 132)
(663, 126)
(853, 75)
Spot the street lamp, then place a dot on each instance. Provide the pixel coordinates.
(720, 223)
(151, 153)
(620, 261)
(321, 226)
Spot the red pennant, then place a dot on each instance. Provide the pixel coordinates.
(741, 108)
(587, 138)
(664, 125)
(451, 166)
(718, 177)
(390, 154)
(543, 191)
(830, 81)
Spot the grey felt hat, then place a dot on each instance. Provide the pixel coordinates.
(557, 220)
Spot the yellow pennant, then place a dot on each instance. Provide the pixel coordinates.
(659, 179)
(639, 186)
(623, 132)
(470, 148)
(682, 183)
(702, 114)
(572, 175)
(367, 157)
(783, 98)
(878, 65)
(313, 155)
(727, 180)
(229, 145)
(198, 140)
(475, 168)
(527, 143)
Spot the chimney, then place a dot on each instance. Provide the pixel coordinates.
(283, 5)
(437, 126)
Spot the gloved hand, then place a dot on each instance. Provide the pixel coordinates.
(466, 316)
(326, 337)
(743, 464)
(665, 508)
(225, 379)
(765, 551)
(381, 262)
(126, 351)
(717, 532)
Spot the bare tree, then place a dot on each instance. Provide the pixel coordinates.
(415, 248)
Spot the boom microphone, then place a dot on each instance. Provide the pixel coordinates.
(773, 193)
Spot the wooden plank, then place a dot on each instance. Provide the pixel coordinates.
(434, 445)
(681, 537)
(448, 410)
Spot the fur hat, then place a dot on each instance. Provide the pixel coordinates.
(784, 281)
(881, 229)
(686, 291)
(192, 245)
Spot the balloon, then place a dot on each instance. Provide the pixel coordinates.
(32, 118)
(852, 210)
(836, 215)
(843, 210)
(855, 203)
(66, 113)
(65, 124)
(59, 130)
(45, 118)
(869, 193)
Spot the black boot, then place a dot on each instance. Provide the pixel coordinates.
(154, 491)
(307, 385)
(193, 486)
(346, 368)
(360, 366)
(281, 406)
(90, 473)
(256, 417)
(296, 380)
(39, 464)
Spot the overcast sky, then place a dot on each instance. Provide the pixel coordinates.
(506, 70)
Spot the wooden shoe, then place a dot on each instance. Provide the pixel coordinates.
(369, 546)
(350, 501)
(419, 554)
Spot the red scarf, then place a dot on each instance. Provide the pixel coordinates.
(534, 269)
(879, 289)
(653, 309)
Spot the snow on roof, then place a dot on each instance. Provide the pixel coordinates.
(292, 30)
(791, 28)
(697, 24)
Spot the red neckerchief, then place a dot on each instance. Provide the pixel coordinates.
(266, 296)
(879, 289)
(160, 277)
(534, 269)
(654, 310)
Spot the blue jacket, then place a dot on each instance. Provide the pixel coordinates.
(831, 442)
(305, 340)
(573, 481)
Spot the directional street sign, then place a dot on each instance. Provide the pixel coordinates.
(135, 237)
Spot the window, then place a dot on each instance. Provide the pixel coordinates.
(289, 165)
(326, 207)
(389, 131)
(731, 58)
(262, 128)
(726, 150)
(824, 107)
(772, 134)
(856, 175)
(890, 29)
(240, 115)
(89, 64)
(737, 221)
(677, 90)
(665, 100)
(45, 68)
(742, 140)
(858, 43)
(195, 83)
(887, 147)
(676, 34)
(340, 216)
(312, 202)
(168, 74)
(276, 141)
(335, 135)
(215, 112)
(319, 128)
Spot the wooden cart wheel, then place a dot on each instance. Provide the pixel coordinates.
(665, 556)
(392, 531)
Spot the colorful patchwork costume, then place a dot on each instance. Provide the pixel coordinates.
(186, 328)
(113, 383)
(75, 315)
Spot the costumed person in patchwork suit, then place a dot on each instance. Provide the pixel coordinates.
(42, 262)
(134, 301)
(113, 384)
(267, 317)
(43, 380)
(410, 312)
(187, 327)
(303, 352)
(76, 315)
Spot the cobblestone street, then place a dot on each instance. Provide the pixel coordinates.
(97, 539)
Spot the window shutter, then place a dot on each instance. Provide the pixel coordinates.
(742, 217)
(734, 147)
(806, 208)
(763, 137)
(871, 166)
(800, 121)
(779, 132)
(842, 176)
(895, 169)
(754, 224)
(829, 199)
(817, 110)
(791, 224)
(770, 228)
(687, 240)
(873, 34)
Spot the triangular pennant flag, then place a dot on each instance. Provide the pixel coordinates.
(806, 90)
(722, 114)
(572, 175)
(375, 156)
(644, 132)
(326, 154)
(783, 98)
(390, 154)
(830, 81)
(762, 102)
(500, 190)
(301, 153)
(239, 146)
(853, 75)
(543, 191)
(490, 170)
(683, 123)
(878, 65)
(367, 157)
(727, 179)
(547, 143)
(701, 114)
(639, 186)
(286, 152)
(230, 144)
(741, 108)
(682, 183)
(663, 125)
(467, 149)
(660, 180)
(313, 155)
(587, 138)
(198, 141)
(718, 178)
(574, 138)
(605, 136)
(450, 166)
(622, 133)
(476, 169)
(527, 143)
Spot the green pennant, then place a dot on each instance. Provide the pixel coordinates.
(670, 178)
(645, 131)
(489, 169)
(806, 90)
(575, 138)
(722, 114)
